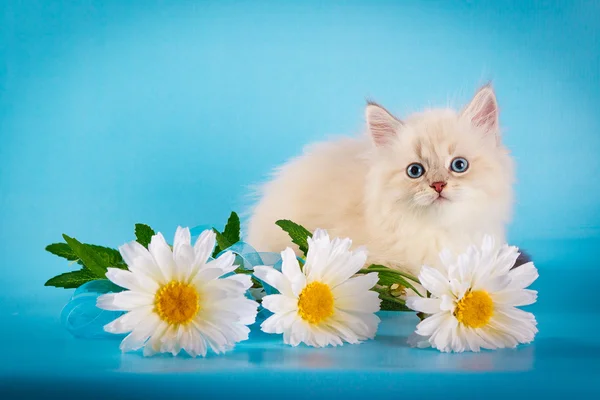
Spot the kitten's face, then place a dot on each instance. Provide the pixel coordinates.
(442, 164)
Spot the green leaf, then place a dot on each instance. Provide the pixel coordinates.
(232, 229)
(111, 256)
(222, 243)
(62, 250)
(143, 234)
(387, 305)
(96, 263)
(391, 303)
(222, 240)
(379, 268)
(72, 279)
(297, 233)
(388, 277)
(230, 235)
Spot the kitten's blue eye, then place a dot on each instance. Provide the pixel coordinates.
(459, 165)
(415, 170)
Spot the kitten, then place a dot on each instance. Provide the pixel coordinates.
(438, 179)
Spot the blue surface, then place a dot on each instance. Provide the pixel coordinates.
(563, 361)
(117, 112)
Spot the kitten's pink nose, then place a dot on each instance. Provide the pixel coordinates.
(438, 186)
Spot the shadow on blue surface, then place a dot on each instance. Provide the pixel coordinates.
(43, 358)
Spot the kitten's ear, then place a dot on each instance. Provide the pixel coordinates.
(383, 126)
(482, 111)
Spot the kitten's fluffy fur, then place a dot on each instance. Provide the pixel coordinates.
(359, 187)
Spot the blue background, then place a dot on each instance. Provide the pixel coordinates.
(117, 112)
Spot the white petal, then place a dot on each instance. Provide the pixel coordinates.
(278, 303)
(505, 260)
(488, 243)
(433, 280)
(163, 256)
(448, 303)
(274, 278)
(515, 313)
(225, 287)
(204, 247)
(170, 341)
(243, 307)
(206, 275)
(519, 297)
(278, 323)
(290, 266)
(197, 347)
(462, 271)
(424, 305)
(190, 335)
(491, 340)
(343, 331)
(129, 280)
(473, 340)
(301, 332)
(511, 331)
(432, 323)
(153, 344)
(441, 338)
(446, 260)
(233, 331)
(242, 279)
(222, 335)
(291, 270)
(215, 338)
(492, 284)
(137, 338)
(127, 322)
(517, 323)
(320, 234)
(297, 332)
(523, 276)
(357, 284)
(458, 340)
(140, 261)
(183, 254)
(319, 247)
(182, 237)
(325, 336)
(364, 325)
(225, 262)
(365, 302)
(458, 288)
(344, 266)
(124, 301)
(180, 339)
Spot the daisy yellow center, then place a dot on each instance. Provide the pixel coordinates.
(475, 309)
(177, 302)
(315, 303)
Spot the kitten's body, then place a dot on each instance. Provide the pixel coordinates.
(359, 188)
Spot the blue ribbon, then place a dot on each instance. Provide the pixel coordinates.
(83, 319)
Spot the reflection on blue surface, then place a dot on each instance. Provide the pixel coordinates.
(562, 360)
(118, 112)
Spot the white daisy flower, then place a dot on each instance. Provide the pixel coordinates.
(474, 298)
(322, 304)
(177, 299)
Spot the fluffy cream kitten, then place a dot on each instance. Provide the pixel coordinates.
(437, 179)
